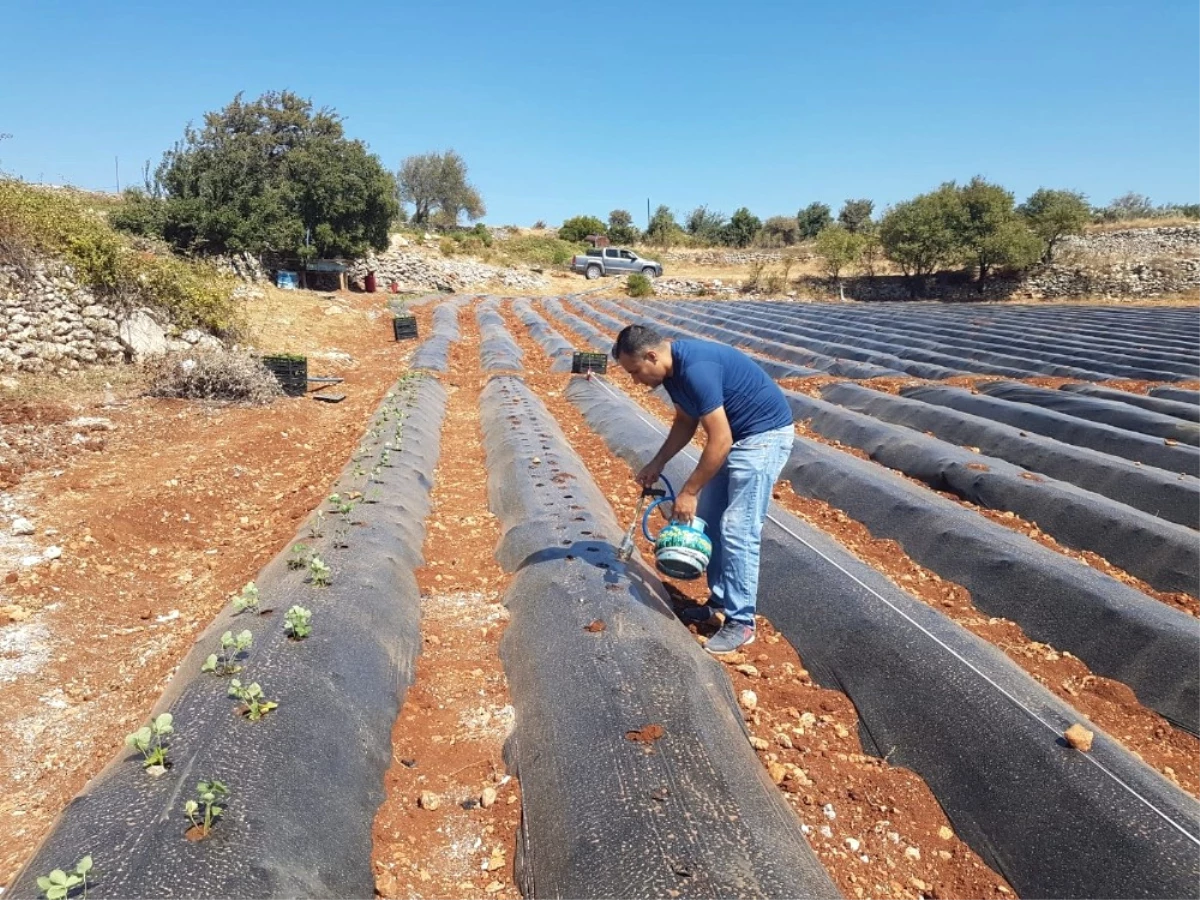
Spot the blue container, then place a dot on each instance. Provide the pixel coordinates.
(288, 281)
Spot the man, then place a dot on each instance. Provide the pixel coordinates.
(749, 427)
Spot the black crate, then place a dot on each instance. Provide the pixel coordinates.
(589, 362)
(404, 327)
(290, 371)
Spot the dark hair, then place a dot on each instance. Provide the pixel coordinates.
(635, 340)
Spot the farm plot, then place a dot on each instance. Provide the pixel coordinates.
(932, 625)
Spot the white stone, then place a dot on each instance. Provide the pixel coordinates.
(22, 526)
(142, 335)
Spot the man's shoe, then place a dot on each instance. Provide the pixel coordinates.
(698, 615)
(732, 636)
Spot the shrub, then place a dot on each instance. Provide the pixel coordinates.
(838, 247)
(140, 213)
(539, 250)
(638, 285)
(856, 214)
(813, 218)
(192, 293)
(212, 375)
(577, 228)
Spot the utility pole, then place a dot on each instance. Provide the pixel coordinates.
(647, 213)
(117, 170)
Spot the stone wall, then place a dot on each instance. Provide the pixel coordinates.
(1130, 264)
(418, 271)
(50, 323)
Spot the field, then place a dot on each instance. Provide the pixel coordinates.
(985, 536)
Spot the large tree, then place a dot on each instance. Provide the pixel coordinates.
(741, 229)
(577, 228)
(991, 233)
(855, 215)
(921, 235)
(705, 224)
(436, 185)
(1055, 214)
(621, 229)
(663, 230)
(275, 175)
(813, 218)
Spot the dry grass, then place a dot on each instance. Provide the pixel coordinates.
(1162, 222)
(119, 379)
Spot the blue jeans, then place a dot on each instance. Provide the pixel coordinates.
(734, 504)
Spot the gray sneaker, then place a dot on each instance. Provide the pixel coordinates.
(732, 636)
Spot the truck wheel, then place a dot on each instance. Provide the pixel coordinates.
(649, 272)
(593, 272)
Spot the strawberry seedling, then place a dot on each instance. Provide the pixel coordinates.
(297, 623)
(58, 884)
(224, 663)
(148, 740)
(256, 705)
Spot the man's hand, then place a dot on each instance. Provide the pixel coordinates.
(685, 507)
(649, 474)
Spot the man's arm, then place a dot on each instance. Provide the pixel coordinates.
(679, 437)
(716, 449)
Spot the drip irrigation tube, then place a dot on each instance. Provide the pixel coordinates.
(1165, 555)
(1167, 495)
(933, 697)
(306, 780)
(637, 778)
(1093, 435)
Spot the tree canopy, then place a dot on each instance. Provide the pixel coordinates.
(274, 175)
(436, 185)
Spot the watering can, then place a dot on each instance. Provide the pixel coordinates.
(681, 550)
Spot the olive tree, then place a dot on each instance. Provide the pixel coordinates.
(436, 185)
(838, 247)
(1054, 214)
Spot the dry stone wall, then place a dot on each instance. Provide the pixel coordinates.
(416, 271)
(50, 323)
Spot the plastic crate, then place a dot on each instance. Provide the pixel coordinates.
(290, 371)
(589, 362)
(404, 328)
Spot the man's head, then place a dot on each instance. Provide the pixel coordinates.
(644, 354)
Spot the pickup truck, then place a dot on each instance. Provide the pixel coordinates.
(614, 261)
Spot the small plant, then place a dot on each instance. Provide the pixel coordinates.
(317, 529)
(247, 599)
(207, 795)
(148, 740)
(223, 663)
(58, 883)
(256, 705)
(341, 535)
(300, 556)
(298, 623)
(638, 285)
(320, 572)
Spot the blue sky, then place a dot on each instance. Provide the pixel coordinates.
(561, 109)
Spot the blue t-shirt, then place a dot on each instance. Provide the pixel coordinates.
(706, 375)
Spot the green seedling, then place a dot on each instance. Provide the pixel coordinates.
(207, 795)
(297, 622)
(58, 883)
(320, 572)
(256, 705)
(148, 740)
(301, 553)
(247, 599)
(317, 528)
(341, 536)
(335, 499)
(224, 663)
